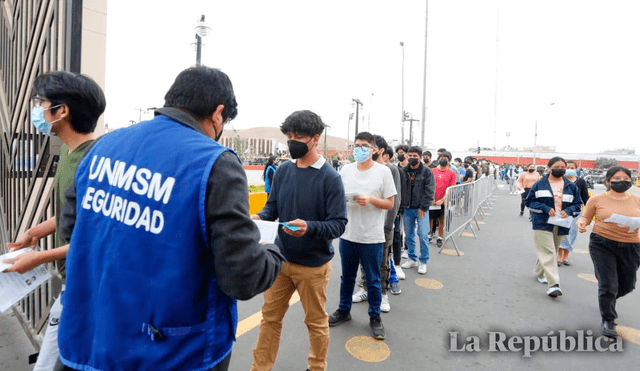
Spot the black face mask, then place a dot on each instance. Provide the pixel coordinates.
(621, 186)
(426, 160)
(297, 149)
(413, 161)
(443, 163)
(532, 170)
(558, 173)
(375, 156)
(401, 158)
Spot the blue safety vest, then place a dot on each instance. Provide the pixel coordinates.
(141, 288)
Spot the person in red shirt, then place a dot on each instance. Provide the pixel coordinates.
(445, 178)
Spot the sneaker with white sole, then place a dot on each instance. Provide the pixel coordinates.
(394, 287)
(408, 264)
(399, 272)
(439, 242)
(405, 255)
(359, 296)
(554, 291)
(422, 268)
(384, 304)
(543, 280)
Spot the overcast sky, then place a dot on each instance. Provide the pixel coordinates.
(284, 56)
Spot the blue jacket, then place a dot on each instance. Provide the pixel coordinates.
(540, 202)
(142, 291)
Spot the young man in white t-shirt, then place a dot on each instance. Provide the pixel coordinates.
(363, 239)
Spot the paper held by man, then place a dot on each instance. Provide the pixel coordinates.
(15, 286)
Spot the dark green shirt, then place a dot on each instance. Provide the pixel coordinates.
(67, 165)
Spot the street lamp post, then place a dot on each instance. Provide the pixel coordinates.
(201, 31)
(326, 130)
(348, 128)
(358, 104)
(402, 120)
(409, 117)
(535, 136)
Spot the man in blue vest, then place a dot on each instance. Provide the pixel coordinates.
(161, 242)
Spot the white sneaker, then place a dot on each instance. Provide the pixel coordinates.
(384, 305)
(360, 295)
(409, 264)
(399, 272)
(405, 255)
(422, 269)
(542, 280)
(554, 291)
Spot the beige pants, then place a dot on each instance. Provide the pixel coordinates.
(311, 284)
(547, 244)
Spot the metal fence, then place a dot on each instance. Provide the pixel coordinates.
(464, 202)
(36, 36)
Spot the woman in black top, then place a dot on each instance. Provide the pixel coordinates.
(567, 244)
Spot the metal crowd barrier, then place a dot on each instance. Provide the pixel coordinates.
(462, 205)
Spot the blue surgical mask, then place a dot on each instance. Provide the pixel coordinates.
(37, 118)
(571, 172)
(361, 154)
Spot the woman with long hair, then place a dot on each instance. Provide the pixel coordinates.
(550, 197)
(269, 169)
(614, 244)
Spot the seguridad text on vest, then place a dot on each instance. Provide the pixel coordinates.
(140, 181)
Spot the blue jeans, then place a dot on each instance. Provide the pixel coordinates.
(370, 256)
(410, 220)
(567, 243)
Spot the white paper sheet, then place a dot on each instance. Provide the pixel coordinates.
(15, 286)
(351, 194)
(268, 230)
(11, 255)
(624, 221)
(560, 221)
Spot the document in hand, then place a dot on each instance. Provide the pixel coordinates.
(624, 221)
(560, 221)
(268, 230)
(15, 286)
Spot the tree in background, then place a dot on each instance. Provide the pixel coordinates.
(605, 163)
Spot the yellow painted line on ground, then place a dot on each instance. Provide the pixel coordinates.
(467, 234)
(452, 252)
(429, 283)
(580, 251)
(480, 222)
(368, 349)
(588, 277)
(629, 334)
(254, 320)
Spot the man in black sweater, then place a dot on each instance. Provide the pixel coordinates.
(308, 195)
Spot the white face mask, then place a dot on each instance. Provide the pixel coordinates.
(39, 122)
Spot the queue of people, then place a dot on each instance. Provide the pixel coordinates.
(128, 202)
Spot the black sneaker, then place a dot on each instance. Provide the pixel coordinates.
(609, 329)
(521, 213)
(377, 329)
(339, 317)
(439, 242)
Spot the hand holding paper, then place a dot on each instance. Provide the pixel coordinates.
(561, 222)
